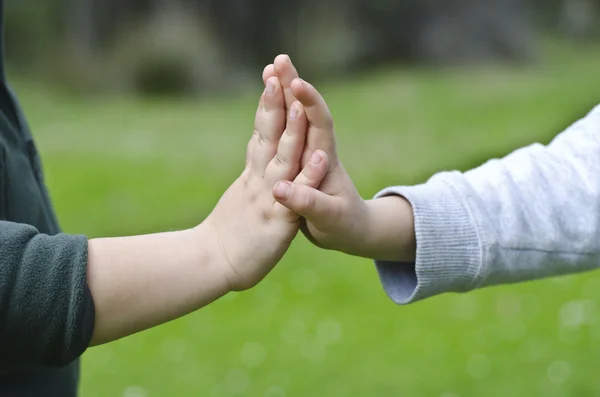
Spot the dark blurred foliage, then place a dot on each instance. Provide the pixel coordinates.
(200, 46)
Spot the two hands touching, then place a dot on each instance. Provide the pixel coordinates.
(294, 181)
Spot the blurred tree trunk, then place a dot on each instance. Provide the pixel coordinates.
(579, 18)
(81, 33)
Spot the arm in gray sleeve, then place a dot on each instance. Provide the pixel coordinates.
(532, 214)
(46, 309)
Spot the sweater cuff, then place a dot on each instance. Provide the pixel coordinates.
(449, 255)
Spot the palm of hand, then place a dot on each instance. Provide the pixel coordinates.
(335, 215)
(253, 230)
(346, 216)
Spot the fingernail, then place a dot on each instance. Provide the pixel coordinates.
(294, 112)
(270, 87)
(316, 158)
(282, 190)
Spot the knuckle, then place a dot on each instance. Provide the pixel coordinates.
(253, 194)
(280, 159)
(262, 140)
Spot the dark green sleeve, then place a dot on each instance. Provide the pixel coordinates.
(46, 309)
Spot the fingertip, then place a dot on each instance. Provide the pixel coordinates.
(318, 156)
(273, 94)
(281, 190)
(272, 85)
(284, 69)
(268, 71)
(314, 170)
(319, 161)
(303, 91)
(282, 59)
(296, 110)
(320, 164)
(297, 84)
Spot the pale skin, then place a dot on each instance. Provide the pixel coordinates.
(335, 216)
(142, 281)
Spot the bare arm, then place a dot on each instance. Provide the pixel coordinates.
(142, 281)
(58, 293)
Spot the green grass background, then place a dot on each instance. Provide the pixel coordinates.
(320, 324)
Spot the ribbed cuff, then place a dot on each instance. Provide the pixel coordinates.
(449, 256)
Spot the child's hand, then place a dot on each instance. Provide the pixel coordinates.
(252, 230)
(336, 215)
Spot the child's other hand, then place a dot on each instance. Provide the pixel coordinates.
(336, 215)
(252, 231)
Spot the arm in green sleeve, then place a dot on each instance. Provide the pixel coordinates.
(46, 309)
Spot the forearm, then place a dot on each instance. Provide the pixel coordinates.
(529, 215)
(390, 234)
(142, 281)
(536, 210)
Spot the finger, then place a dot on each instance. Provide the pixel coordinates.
(250, 149)
(254, 137)
(302, 196)
(286, 73)
(269, 125)
(314, 171)
(286, 163)
(269, 71)
(321, 132)
(316, 107)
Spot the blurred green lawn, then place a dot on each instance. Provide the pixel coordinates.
(320, 324)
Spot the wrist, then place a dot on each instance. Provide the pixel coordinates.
(390, 229)
(209, 252)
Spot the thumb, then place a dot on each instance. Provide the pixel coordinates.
(305, 201)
